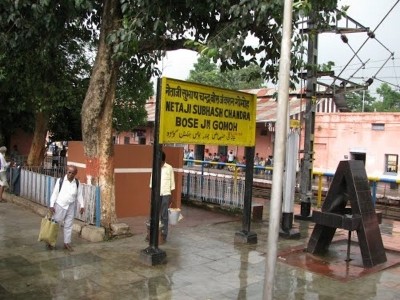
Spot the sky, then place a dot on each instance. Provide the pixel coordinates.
(370, 13)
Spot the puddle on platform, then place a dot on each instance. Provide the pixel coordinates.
(333, 263)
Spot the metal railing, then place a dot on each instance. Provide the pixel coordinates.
(37, 183)
(225, 190)
(378, 184)
(207, 181)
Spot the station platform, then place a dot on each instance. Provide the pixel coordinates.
(203, 262)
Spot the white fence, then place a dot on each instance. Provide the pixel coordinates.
(222, 189)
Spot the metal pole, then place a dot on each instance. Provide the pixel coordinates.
(363, 99)
(309, 117)
(248, 189)
(289, 186)
(153, 255)
(279, 151)
(98, 207)
(156, 176)
(245, 236)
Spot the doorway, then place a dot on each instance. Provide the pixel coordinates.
(358, 156)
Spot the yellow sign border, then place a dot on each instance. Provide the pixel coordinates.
(192, 113)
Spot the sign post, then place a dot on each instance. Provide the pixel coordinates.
(152, 255)
(190, 113)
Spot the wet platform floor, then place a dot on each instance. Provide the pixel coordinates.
(203, 262)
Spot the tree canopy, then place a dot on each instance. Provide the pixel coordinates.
(207, 72)
(218, 29)
(362, 101)
(390, 99)
(133, 90)
(45, 66)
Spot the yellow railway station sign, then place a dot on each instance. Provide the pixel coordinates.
(192, 113)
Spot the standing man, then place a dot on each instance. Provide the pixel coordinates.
(167, 185)
(55, 157)
(231, 157)
(3, 172)
(62, 203)
(191, 156)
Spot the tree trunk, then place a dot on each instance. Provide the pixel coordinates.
(36, 153)
(97, 111)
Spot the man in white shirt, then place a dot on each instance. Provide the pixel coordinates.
(191, 156)
(62, 203)
(167, 185)
(3, 175)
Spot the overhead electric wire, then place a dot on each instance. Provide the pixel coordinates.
(361, 67)
(394, 70)
(389, 83)
(370, 35)
(371, 62)
(370, 67)
(374, 76)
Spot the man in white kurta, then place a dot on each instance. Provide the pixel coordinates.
(62, 203)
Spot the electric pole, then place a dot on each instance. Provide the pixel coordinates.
(332, 91)
(309, 117)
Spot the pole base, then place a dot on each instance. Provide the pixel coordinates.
(305, 212)
(290, 234)
(246, 237)
(153, 256)
(286, 230)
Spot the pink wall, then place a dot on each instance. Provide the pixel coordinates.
(339, 134)
(133, 166)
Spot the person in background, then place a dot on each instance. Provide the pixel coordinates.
(191, 156)
(268, 163)
(55, 157)
(63, 155)
(14, 155)
(167, 185)
(208, 158)
(262, 164)
(3, 172)
(231, 157)
(242, 162)
(185, 156)
(66, 192)
(215, 157)
(222, 160)
(256, 162)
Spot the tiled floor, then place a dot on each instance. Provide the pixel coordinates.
(203, 263)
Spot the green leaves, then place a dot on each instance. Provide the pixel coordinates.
(45, 64)
(206, 72)
(390, 99)
(133, 90)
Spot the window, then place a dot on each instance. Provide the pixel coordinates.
(127, 139)
(391, 162)
(378, 126)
